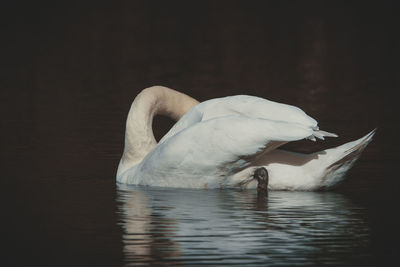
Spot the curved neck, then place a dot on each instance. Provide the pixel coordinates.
(139, 137)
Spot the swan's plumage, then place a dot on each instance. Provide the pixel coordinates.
(218, 143)
(248, 106)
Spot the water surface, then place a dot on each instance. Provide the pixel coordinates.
(227, 227)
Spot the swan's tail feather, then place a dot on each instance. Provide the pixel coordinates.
(342, 158)
(320, 134)
(324, 133)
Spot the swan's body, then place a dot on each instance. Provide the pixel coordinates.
(221, 142)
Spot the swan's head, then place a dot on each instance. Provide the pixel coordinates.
(261, 175)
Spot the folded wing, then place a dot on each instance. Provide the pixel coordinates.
(220, 146)
(248, 106)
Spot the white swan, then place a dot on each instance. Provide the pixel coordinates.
(220, 143)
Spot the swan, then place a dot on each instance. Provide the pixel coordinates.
(223, 143)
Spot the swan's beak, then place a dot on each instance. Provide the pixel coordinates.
(261, 175)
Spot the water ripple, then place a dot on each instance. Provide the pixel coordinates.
(213, 227)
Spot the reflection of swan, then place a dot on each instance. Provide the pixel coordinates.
(219, 143)
(144, 234)
(231, 227)
(137, 213)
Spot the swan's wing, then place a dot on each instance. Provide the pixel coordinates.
(193, 116)
(254, 107)
(220, 146)
(249, 106)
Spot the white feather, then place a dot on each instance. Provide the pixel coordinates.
(219, 143)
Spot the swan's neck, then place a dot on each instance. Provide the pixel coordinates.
(139, 137)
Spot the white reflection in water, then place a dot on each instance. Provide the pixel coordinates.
(181, 226)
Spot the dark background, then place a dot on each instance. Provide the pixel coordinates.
(70, 70)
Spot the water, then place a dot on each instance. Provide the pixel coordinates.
(227, 227)
(71, 69)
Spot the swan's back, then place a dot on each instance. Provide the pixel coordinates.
(244, 105)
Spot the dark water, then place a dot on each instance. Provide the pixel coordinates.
(71, 69)
(197, 227)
